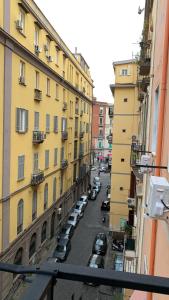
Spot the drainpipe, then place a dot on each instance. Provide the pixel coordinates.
(160, 134)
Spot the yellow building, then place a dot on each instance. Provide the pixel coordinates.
(125, 125)
(46, 105)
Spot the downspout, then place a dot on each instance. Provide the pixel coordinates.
(160, 134)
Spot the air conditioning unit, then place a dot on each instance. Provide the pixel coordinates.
(50, 59)
(19, 25)
(146, 160)
(46, 48)
(131, 202)
(158, 193)
(37, 49)
(22, 79)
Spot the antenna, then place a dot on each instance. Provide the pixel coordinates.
(140, 10)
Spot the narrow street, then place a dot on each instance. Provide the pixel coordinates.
(81, 243)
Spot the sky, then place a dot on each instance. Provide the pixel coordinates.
(103, 32)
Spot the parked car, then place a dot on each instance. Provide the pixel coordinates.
(105, 205)
(93, 195)
(102, 169)
(95, 261)
(66, 232)
(73, 219)
(96, 180)
(97, 188)
(62, 249)
(79, 208)
(83, 199)
(118, 262)
(100, 244)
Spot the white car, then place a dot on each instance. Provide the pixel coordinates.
(73, 219)
(79, 208)
(83, 199)
(96, 180)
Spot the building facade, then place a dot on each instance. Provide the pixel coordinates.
(102, 116)
(125, 126)
(46, 105)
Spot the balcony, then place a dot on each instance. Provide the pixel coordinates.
(101, 113)
(81, 154)
(64, 135)
(81, 134)
(64, 164)
(110, 138)
(37, 177)
(145, 83)
(64, 106)
(81, 113)
(100, 125)
(100, 136)
(145, 58)
(141, 97)
(37, 95)
(38, 137)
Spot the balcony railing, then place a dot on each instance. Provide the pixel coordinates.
(145, 58)
(64, 106)
(38, 137)
(76, 111)
(100, 125)
(37, 95)
(145, 83)
(37, 177)
(81, 154)
(42, 285)
(64, 164)
(64, 135)
(110, 138)
(141, 97)
(81, 134)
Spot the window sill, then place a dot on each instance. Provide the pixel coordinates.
(22, 33)
(24, 84)
(70, 117)
(56, 131)
(57, 65)
(21, 132)
(56, 99)
(48, 95)
(20, 179)
(47, 132)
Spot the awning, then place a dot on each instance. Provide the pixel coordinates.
(139, 295)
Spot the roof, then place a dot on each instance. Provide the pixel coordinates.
(123, 62)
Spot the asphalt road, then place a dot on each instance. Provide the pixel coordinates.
(81, 247)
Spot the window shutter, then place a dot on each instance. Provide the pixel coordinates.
(17, 119)
(55, 124)
(36, 124)
(26, 120)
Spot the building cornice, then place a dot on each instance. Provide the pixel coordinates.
(8, 41)
(121, 86)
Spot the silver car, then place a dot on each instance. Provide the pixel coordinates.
(79, 208)
(73, 219)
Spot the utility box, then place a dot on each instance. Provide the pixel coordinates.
(146, 160)
(158, 193)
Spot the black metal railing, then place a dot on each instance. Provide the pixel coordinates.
(38, 137)
(37, 177)
(64, 163)
(64, 135)
(42, 285)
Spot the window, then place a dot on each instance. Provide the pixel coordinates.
(35, 161)
(20, 216)
(101, 132)
(34, 205)
(101, 110)
(122, 159)
(61, 184)
(100, 121)
(36, 36)
(22, 73)
(64, 124)
(47, 47)
(87, 127)
(125, 100)
(57, 92)
(48, 87)
(57, 56)
(155, 121)
(21, 120)
(37, 80)
(121, 188)
(32, 246)
(124, 72)
(62, 154)
(22, 20)
(76, 127)
(46, 196)
(52, 228)
(64, 95)
(54, 189)
(74, 173)
(44, 231)
(55, 124)
(75, 149)
(36, 121)
(47, 123)
(77, 106)
(100, 145)
(46, 159)
(21, 160)
(55, 156)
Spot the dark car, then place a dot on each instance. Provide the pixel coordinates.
(100, 244)
(105, 205)
(95, 261)
(93, 195)
(62, 249)
(66, 232)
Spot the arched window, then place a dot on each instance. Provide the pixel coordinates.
(20, 216)
(18, 257)
(52, 228)
(54, 189)
(43, 233)
(32, 246)
(46, 196)
(34, 205)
